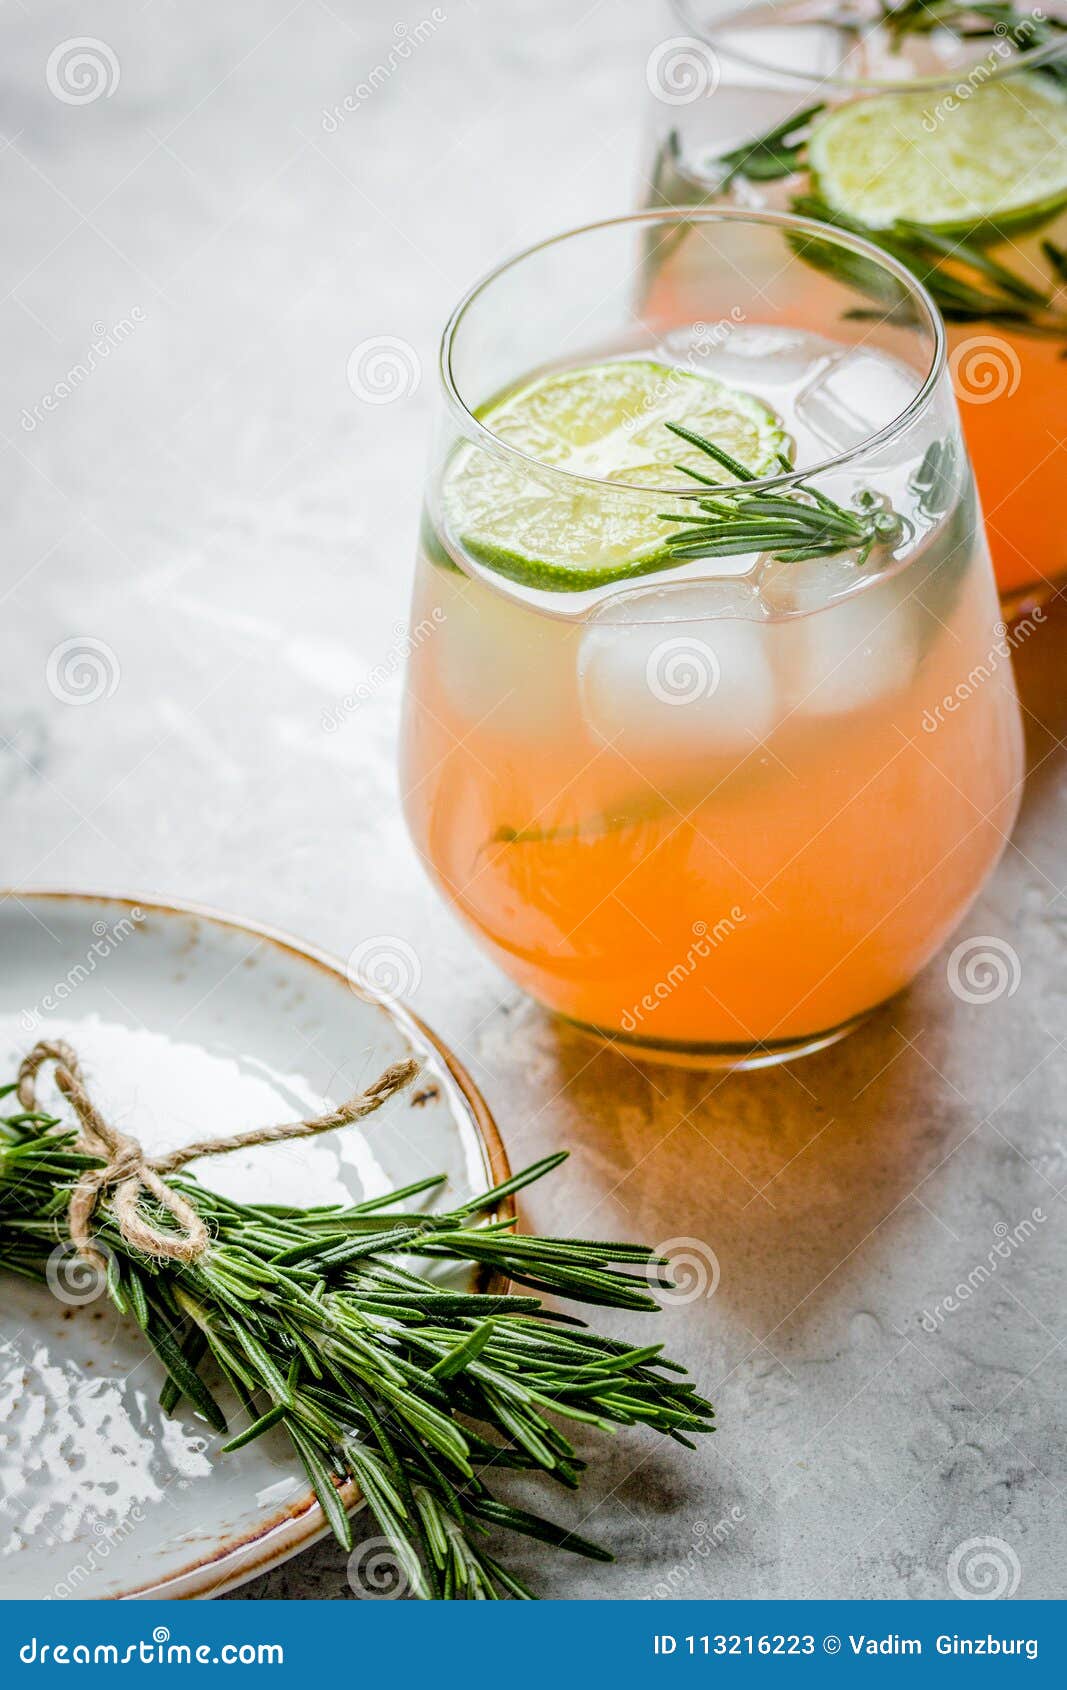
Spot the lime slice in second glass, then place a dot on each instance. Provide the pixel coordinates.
(604, 422)
(994, 154)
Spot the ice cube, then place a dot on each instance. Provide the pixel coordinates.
(854, 652)
(854, 396)
(669, 675)
(791, 588)
(501, 664)
(766, 354)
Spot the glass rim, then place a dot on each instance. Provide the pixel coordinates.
(480, 434)
(710, 34)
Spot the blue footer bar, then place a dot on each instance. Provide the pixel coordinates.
(517, 1645)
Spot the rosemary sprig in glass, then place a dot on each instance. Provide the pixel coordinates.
(792, 526)
(965, 281)
(774, 155)
(377, 1374)
(1028, 31)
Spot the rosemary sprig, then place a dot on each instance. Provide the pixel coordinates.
(377, 1374)
(771, 156)
(935, 482)
(1028, 31)
(1057, 257)
(967, 284)
(792, 526)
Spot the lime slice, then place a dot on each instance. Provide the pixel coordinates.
(998, 156)
(604, 421)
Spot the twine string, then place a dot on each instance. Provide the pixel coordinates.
(130, 1176)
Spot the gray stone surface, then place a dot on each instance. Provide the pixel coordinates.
(214, 504)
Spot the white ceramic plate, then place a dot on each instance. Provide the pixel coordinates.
(188, 1024)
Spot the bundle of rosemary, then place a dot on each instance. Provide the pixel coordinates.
(377, 1374)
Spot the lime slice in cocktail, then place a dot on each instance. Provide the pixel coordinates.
(992, 155)
(604, 422)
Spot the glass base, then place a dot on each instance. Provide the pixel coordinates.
(737, 1057)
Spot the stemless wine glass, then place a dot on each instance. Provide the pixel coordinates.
(941, 134)
(704, 776)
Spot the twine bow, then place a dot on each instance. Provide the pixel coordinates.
(131, 1176)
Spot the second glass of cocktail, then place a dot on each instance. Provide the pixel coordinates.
(711, 735)
(937, 130)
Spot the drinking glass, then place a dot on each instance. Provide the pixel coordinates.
(940, 132)
(713, 808)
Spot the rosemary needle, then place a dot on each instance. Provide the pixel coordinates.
(773, 155)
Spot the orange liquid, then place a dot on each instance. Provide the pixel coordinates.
(666, 887)
(1019, 452)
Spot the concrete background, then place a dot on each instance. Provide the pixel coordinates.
(217, 507)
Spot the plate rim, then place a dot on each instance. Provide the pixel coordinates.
(300, 1524)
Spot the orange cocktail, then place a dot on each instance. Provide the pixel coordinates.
(718, 801)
